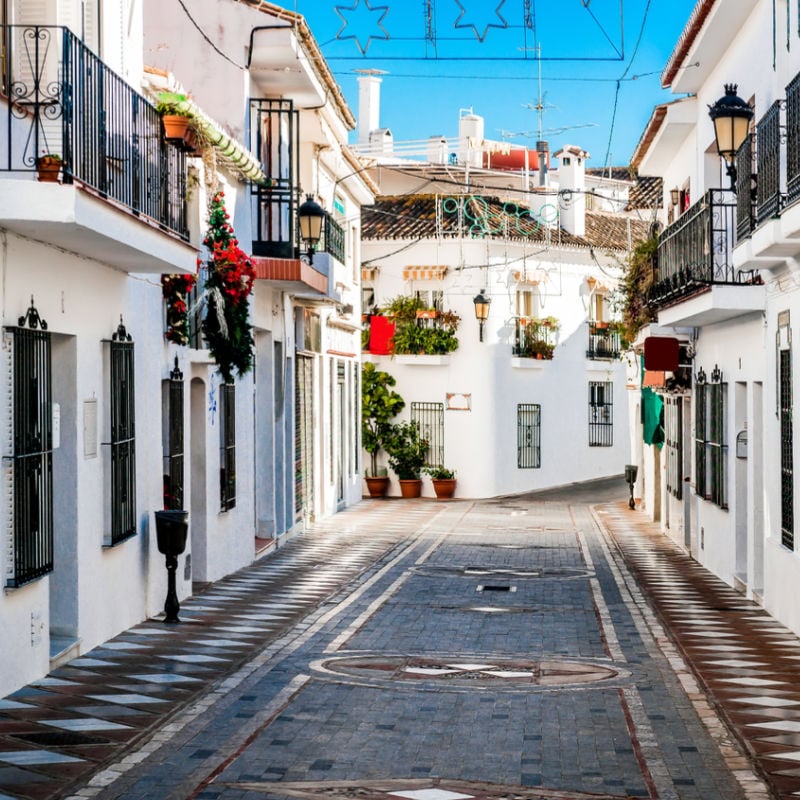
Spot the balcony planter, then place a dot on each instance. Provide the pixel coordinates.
(175, 126)
(49, 167)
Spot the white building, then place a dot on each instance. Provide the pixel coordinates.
(106, 420)
(497, 220)
(725, 485)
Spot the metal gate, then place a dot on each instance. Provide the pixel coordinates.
(601, 414)
(33, 456)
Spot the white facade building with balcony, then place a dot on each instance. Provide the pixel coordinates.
(726, 287)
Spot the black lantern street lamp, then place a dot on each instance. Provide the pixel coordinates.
(310, 215)
(482, 303)
(675, 196)
(731, 117)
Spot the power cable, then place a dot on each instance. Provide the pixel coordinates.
(205, 36)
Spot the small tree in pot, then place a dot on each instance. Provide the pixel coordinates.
(379, 404)
(407, 451)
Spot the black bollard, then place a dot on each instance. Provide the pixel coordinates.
(631, 471)
(171, 530)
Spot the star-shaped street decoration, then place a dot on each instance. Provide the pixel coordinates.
(362, 18)
(475, 24)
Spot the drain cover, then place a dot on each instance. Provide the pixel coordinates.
(468, 671)
(436, 571)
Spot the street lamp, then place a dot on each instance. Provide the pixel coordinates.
(675, 195)
(310, 216)
(482, 304)
(731, 117)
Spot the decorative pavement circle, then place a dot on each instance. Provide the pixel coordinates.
(400, 789)
(469, 571)
(472, 672)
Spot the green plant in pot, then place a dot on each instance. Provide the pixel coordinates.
(443, 480)
(407, 450)
(379, 405)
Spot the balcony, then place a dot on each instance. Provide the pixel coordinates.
(768, 184)
(61, 98)
(605, 341)
(535, 338)
(695, 259)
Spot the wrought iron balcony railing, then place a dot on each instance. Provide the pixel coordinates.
(695, 251)
(61, 98)
(604, 342)
(534, 338)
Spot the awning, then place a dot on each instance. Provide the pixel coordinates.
(655, 379)
(416, 273)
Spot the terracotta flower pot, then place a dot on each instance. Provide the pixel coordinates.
(444, 487)
(378, 485)
(175, 126)
(48, 169)
(411, 487)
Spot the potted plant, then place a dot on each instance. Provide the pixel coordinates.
(379, 404)
(175, 114)
(48, 165)
(443, 480)
(407, 450)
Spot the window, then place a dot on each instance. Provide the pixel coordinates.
(529, 436)
(173, 441)
(711, 449)
(601, 414)
(527, 302)
(123, 438)
(673, 424)
(367, 299)
(430, 419)
(32, 544)
(431, 298)
(227, 456)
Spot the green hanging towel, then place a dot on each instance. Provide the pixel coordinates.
(652, 418)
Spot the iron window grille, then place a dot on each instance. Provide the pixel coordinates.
(673, 425)
(529, 436)
(173, 459)
(601, 414)
(123, 437)
(227, 456)
(787, 439)
(430, 421)
(32, 468)
(711, 448)
(700, 427)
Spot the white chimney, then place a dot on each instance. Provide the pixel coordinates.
(381, 141)
(369, 103)
(572, 189)
(470, 136)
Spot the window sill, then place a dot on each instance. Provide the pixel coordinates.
(423, 361)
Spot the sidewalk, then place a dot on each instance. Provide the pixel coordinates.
(387, 579)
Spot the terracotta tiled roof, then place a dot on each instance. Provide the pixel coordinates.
(613, 232)
(414, 217)
(686, 40)
(615, 173)
(647, 193)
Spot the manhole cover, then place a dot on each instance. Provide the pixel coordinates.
(434, 571)
(465, 671)
(59, 739)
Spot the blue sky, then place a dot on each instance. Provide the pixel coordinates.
(444, 55)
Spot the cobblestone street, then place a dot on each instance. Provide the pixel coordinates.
(432, 651)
